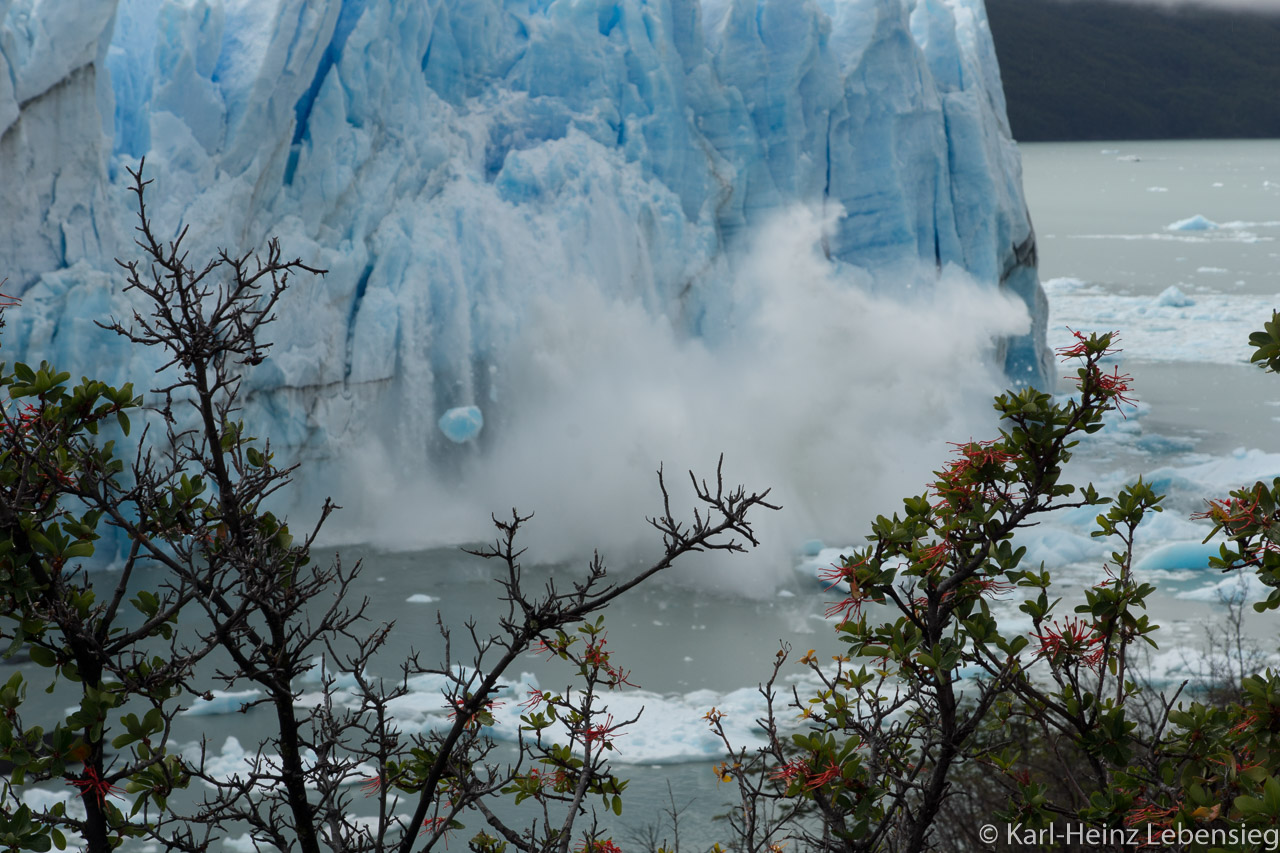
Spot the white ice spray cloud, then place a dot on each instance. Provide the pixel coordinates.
(839, 400)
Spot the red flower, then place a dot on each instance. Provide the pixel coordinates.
(598, 846)
(1080, 349)
(852, 604)
(1151, 815)
(437, 825)
(604, 732)
(989, 585)
(817, 780)
(1231, 513)
(1245, 724)
(458, 705)
(791, 771)
(935, 555)
(1075, 638)
(94, 786)
(598, 659)
(976, 454)
(1115, 386)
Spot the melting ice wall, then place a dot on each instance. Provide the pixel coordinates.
(480, 175)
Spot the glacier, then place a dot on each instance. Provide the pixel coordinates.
(756, 215)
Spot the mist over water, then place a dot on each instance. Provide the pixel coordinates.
(837, 392)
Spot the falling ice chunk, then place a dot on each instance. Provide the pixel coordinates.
(461, 424)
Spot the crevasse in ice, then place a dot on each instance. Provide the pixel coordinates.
(455, 164)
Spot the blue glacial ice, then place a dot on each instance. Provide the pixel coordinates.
(461, 424)
(511, 188)
(1193, 223)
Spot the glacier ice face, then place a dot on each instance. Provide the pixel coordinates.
(479, 176)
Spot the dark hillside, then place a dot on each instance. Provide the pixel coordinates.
(1089, 69)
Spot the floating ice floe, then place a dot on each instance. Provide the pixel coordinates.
(1193, 223)
(223, 702)
(233, 760)
(671, 727)
(1240, 587)
(421, 598)
(1178, 555)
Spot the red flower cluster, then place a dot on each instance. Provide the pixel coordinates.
(1150, 815)
(810, 778)
(435, 824)
(1075, 639)
(1080, 349)
(852, 603)
(93, 786)
(1115, 386)
(959, 486)
(604, 732)
(598, 659)
(1112, 387)
(1232, 513)
(556, 781)
(598, 846)
(461, 706)
(551, 648)
(989, 585)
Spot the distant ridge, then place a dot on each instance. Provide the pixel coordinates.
(1098, 69)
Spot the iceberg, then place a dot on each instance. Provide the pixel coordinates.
(1173, 297)
(1193, 223)
(484, 179)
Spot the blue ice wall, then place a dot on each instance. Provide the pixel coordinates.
(454, 163)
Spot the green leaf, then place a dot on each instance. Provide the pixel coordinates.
(79, 549)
